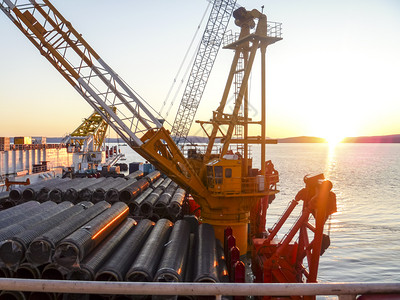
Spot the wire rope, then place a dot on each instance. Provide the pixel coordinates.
(183, 62)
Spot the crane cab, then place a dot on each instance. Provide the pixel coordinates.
(224, 175)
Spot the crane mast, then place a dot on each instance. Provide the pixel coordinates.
(101, 87)
(82, 67)
(207, 53)
(220, 185)
(226, 186)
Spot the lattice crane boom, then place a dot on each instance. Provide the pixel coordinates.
(101, 87)
(207, 53)
(81, 66)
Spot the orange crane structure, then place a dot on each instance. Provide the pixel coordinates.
(229, 189)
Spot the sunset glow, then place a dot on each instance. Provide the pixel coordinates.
(333, 71)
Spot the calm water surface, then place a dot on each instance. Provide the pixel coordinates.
(365, 232)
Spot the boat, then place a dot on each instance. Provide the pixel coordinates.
(219, 242)
(28, 160)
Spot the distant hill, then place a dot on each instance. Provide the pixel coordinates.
(302, 139)
(394, 138)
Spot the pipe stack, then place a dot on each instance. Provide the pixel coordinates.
(71, 250)
(42, 248)
(74, 193)
(98, 192)
(100, 242)
(29, 192)
(56, 194)
(12, 251)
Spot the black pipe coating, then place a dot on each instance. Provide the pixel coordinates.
(175, 205)
(157, 183)
(74, 248)
(12, 251)
(136, 175)
(146, 208)
(205, 268)
(42, 194)
(161, 206)
(153, 176)
(145, 265)
(91, 264)
(98, 192)
(18, 213)
(173, 262)
(48, 209)
(134, 190)
(41, 249)
(117, 266)
(12, 295)
(27, 271)
(112, 195)
(56, 194)
(54, 271)
(134, 205)
(17, 193)
(73, 193)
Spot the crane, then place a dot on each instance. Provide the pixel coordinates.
(207, 53)
(224, 184)
(93, 128)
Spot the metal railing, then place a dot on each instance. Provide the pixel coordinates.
(274, 29)
(344, 291)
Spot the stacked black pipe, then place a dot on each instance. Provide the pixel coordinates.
(100, 242)
(77, 192)
(12, 251)
(73, 249)
(42, 248)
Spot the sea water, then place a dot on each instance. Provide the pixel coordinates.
(365, 231)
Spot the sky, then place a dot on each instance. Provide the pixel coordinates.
(334, 74)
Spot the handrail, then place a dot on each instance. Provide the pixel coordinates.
(345, 290)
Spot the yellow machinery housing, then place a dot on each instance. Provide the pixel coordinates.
(228, 200)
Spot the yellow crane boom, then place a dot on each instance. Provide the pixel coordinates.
(221, 185)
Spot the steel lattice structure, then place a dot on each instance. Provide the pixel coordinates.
(82, 67)
(211, 41)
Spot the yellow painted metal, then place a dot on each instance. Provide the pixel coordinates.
(234, 189)
(94, 126)
(223, 204)
(159, 149)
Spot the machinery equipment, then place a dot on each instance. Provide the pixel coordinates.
(225, 184)
(90, 134)
(203, 63)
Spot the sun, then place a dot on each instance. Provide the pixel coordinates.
(334, 139)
